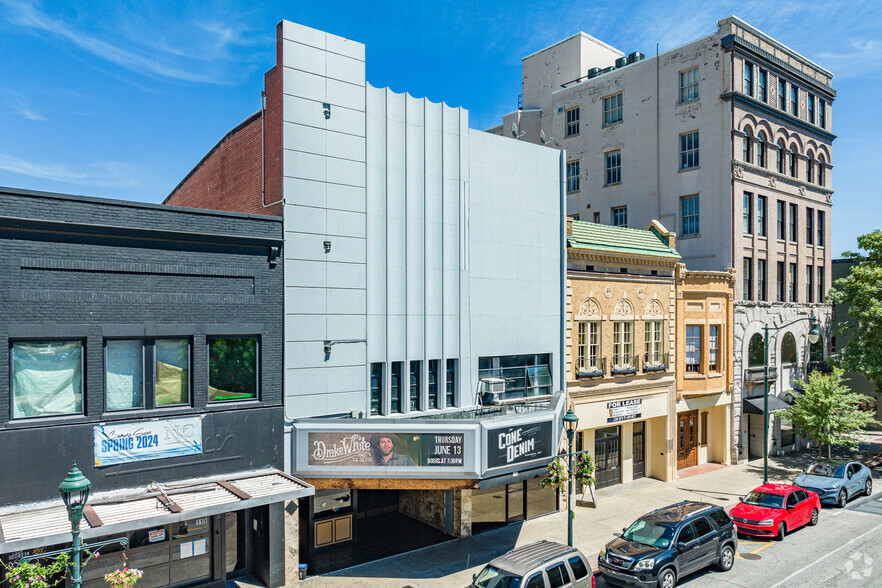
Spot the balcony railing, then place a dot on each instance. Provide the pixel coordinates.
(657, 362)
(592, 367)
(624, 365)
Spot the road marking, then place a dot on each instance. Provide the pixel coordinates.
(819, 560)
(762, 545)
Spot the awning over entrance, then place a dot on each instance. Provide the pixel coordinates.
(37, 525)
(755, 405)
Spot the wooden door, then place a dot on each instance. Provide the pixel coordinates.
(687, 439)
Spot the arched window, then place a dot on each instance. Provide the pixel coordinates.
(816, 350)
(780, 157)
(761, 150)
(810, 168)
(788, 349)
(756, 351)
(746, 147)
(794, 159)
(821, 169)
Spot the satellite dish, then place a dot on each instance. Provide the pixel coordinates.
(514, 131)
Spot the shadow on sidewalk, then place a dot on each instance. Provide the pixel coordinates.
(440, 560)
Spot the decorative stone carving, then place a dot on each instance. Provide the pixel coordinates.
(828, 198)
(680, 294)
(640, 293)
(607, 292)
(773, 182)
(739, 172)
(623, 308)
(589, 308)
(654, 309)
(802, 190)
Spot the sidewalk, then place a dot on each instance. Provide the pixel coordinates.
(453, 563)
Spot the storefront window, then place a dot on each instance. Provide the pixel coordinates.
(172, 372)
(124, 374)
(47, 378)
(232, 368)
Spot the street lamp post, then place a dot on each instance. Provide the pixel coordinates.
(571, 421)
(813, 336)
(75, 492)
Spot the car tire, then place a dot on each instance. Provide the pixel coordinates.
(782, 531)
(868, 486)
(727, 558)
(842, 499)
(667, 578)
(813, 520)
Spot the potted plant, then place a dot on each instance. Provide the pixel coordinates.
(37, 573)
(124, 578)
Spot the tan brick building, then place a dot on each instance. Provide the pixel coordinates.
(621, 308)
(705, 343)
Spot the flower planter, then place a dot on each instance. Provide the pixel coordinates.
(126, 585)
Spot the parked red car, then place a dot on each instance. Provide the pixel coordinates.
(772, 510)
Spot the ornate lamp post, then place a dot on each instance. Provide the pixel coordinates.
(75, 492)
(571, 421)
(813, 337)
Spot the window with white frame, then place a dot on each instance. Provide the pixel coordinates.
(613, 166)
(573, 176)
(653, 343)
(589, 346)
(623, 344)
(689, 85)
(713, 348)
(612, 109)
(620, 216)
(689, 150)
(572, 122)
(693, 348)
(47, 378)
(689, 214)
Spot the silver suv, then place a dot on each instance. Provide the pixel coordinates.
(542, 564)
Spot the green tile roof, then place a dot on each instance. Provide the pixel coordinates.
(619, 240)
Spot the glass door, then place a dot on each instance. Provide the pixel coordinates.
(516, 500)
(607, 457)
(638, 453)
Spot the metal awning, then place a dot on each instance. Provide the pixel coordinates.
(755, 405)
(27, 526)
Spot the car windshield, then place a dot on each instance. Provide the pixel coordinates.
(649, 534)
(764, 499)
(491, 577)
(828, 470)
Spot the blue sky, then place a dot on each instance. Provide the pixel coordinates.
(121, 99)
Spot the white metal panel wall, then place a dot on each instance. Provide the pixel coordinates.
(414, 201)
(324, 186)
(515, 213)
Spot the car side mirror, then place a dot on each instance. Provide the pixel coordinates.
(474, 577)
(849, 475)
(617, 534)
(680, 546)
(740, 499)
(624, 529)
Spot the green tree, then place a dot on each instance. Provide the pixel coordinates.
(829, 412)
(861, 292)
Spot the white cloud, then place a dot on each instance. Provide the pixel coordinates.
(101, 174)
(152, 57)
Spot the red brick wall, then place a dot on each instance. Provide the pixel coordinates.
(229, 178)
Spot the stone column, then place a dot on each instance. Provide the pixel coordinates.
(292, 543)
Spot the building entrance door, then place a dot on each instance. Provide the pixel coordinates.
(639, 451)
(687, 439)
(608, 456)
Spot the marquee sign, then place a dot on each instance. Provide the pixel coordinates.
(518, 444)
(346, 449)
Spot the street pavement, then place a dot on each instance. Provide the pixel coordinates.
(844, 549)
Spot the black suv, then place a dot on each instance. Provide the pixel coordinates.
(671, 542)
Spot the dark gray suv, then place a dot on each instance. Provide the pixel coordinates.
(669, 543)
